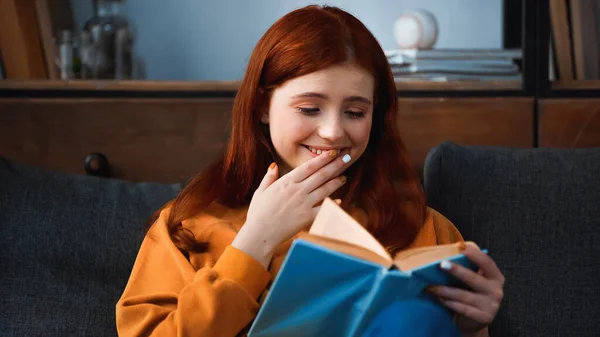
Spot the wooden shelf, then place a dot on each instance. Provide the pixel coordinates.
(170, 140)
(459, 85)
(227, 86)
(113, 85)
(575, 85)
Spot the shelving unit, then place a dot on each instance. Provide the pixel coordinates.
(567, 112)
(526, 26)
(515, 11)
(180, 126)
(65, 88)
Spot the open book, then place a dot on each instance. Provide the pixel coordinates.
(335, 229)
(337, 278)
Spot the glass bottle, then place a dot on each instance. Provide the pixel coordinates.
(86, 54)
(66, 55)
(123, 63)
(103, 28)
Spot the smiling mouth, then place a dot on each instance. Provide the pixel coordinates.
(318, 151)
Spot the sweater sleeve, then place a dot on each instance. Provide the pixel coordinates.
(166, 296)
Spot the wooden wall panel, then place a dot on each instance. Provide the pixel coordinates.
(20, 40)
(144, 140)
(426, 122)
(169, 140)
(569, 123)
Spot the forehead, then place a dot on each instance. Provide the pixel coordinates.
(336, 81)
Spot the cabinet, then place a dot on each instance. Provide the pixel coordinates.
(171, 139)
(567, 102)
(569, 122)
(168, 131)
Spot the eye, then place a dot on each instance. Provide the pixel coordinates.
(355, 114)
(308, 111)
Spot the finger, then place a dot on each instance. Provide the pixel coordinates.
(485, 263)
(468, 311)
(270, 177)
(460, 295)
(310, 167)
(326, 190)
(472, 279)
(325, 174)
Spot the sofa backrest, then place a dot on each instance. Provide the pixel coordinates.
(67, 246)
(537, 212)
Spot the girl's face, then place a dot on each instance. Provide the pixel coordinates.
(328, 109)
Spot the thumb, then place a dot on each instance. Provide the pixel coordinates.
(270, 177)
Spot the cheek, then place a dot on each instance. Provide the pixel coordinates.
(289, 130)
(360, 134)
(285, 132)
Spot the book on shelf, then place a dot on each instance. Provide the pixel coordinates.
(337, 278)
(455, 64)
(475, 64)
(448, 77)
(456, 54)
(453, 69)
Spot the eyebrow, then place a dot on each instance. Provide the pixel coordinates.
(322, 96)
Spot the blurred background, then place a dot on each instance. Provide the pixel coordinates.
(212, 40)
(191, 40)
(149, 84)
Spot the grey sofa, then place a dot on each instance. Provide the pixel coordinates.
(67, 242)
(537, 212)
(67, 245)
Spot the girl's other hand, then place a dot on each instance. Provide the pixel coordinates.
(478, 306)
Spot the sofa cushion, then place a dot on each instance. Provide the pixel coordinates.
(536, 210)
(67, 246)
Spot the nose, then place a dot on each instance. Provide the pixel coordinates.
(331, 129)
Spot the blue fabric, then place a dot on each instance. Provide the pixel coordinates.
(414, 318)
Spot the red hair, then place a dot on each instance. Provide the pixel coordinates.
(382, 182)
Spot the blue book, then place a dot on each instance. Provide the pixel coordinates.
(337, 280)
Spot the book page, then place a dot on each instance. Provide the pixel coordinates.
(347, 249)
(334, 223)
(417, 257)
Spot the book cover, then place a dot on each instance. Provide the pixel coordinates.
(337, 280)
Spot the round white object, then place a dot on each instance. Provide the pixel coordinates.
(416, 29)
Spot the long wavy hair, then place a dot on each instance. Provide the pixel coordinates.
(382, 182)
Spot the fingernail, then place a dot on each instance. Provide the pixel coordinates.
(346, 158)
(333, 153)
(272, 166)
(338, 201)
(343, 179)
(445, 265)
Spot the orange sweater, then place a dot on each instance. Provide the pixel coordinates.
(216, 293)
